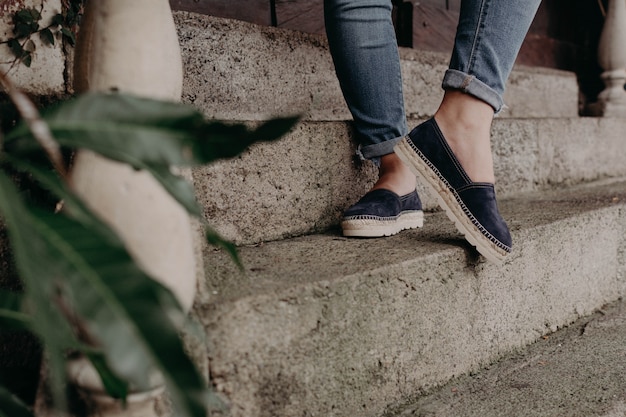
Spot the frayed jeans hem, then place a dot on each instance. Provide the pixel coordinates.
(469, 84)
(375, 151)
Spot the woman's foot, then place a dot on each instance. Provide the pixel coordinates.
(381, 212)
(454, 161)
(465, 122)
(392, 205)
(394, 175)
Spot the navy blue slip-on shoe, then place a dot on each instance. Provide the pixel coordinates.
(383, 213)
(470, 205)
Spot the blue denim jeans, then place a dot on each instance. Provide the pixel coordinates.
(363, 46)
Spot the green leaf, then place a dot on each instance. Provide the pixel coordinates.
(36, 14)
(16, 48)
(219, 140)
(69, 36)
(177, 134)
(26, 22)
(177, 186)
(148, 134)
(115, 386)
(71, 15)
(74, 13)
(27, 59)
(216, 240)
(47, 36)
(28, 15)
(11, 406)
(131, 317)
(23, 15)
(57, 20)
(76, 209)
(123, 127)
(40, 279)
(10, 300)
(73, 206)
(11, 316)
(20, 52)
(23, 30)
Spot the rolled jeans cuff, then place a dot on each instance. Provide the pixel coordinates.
(469, 84)
(376, 150)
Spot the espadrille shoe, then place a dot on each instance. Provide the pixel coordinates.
(383, 213)
(470, 205)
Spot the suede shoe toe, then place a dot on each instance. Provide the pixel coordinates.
(382, 213)
(470, 205)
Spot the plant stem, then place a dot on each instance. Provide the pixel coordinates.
(38, 127)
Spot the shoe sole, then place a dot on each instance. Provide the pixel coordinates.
(449, 201)
(380, 228)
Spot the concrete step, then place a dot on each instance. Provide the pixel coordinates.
(302, 183)
(239, 71)
(575, 372)
(327, 326)
(320, 325)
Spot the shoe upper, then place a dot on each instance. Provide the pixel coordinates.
(382, 203)
(478, 200)
(427, 137)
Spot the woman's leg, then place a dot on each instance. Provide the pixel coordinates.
(489, 36)
(363, 46)
(488, 39)
(451, 153)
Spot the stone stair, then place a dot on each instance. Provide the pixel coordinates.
(343, 327)
(320, 325)
(576, 372)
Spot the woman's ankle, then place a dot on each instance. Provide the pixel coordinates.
(465, 122)
(395, 176)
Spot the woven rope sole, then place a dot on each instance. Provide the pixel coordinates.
(448, 201)
(372, 227)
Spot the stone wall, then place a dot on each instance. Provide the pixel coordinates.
(47, 75)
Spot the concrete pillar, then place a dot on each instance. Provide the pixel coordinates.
(612, 58)
(132, 47)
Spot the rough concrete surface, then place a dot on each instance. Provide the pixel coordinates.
(298, 185)
(541, 92)
(46, 74)
(302, 183)
(243, 72)
(576, 372)
(581, 149)
(239, 71)
(530, 92)
(327, 326)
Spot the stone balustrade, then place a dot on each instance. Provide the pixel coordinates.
(612, 59)
(133, 47)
